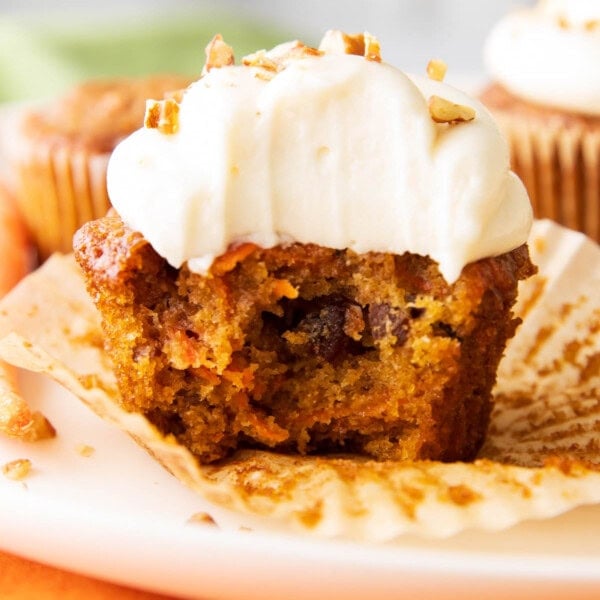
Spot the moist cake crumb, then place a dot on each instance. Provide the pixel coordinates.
(302, 348)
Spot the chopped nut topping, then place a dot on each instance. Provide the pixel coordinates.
(202, 518)
(162, 115)
(284, 53)
(338, 42)
(278, 58)
(436, 69)
(17, 469)
(372, 47)
(264, 74)
(260, 59)
(85, 450)
(218, 54)
(444, 111)
(360, 44)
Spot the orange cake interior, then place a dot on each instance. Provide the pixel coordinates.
(302, 348)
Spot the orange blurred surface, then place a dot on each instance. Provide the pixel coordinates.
(22, 579)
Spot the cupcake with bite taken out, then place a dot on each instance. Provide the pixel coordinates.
(544, 63)
(311, 252)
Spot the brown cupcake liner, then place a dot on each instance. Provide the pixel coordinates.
(560, 167)
(59, 189)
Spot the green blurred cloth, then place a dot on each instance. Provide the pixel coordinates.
(39, 60)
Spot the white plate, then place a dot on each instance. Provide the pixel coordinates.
(118, 515)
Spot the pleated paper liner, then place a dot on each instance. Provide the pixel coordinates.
(59, 189)
(539, 460)
(59, 151)
(560, 167)
(548, 391)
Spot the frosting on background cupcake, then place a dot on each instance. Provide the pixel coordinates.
(550, 54)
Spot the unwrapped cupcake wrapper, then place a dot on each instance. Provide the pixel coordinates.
(59, 189)
(560, 167)
(541, 457)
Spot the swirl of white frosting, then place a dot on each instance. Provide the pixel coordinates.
(334, 150)
(550, 54)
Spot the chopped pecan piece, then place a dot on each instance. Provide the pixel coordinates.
(436, 69)
(444, 111)
(284, 53)
(162, 115)
(338, 42)
(372, 47)
(278, 58)
(218, 54)
(360, 44)
(262, 60)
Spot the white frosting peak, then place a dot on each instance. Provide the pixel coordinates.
(335, 150)
(550, 54)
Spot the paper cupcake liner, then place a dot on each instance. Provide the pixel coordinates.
(540, 458)
(548, 391)
(560, 167)
(59, 189)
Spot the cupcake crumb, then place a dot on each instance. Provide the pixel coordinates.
(85, 450)
(18, 469)
(202, 518)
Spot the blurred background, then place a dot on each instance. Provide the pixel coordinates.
(45, 46)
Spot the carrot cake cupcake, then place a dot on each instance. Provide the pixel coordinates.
(312, 252)
(63, 148)
(544, 62)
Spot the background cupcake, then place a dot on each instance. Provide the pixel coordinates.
(62, 149)
(545, 66)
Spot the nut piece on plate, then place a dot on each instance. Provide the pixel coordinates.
(85, 450)
(17, 419)
(202, 518)
(17, 469)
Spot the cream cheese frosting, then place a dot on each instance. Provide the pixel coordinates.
(335, 150)
(550, 54)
